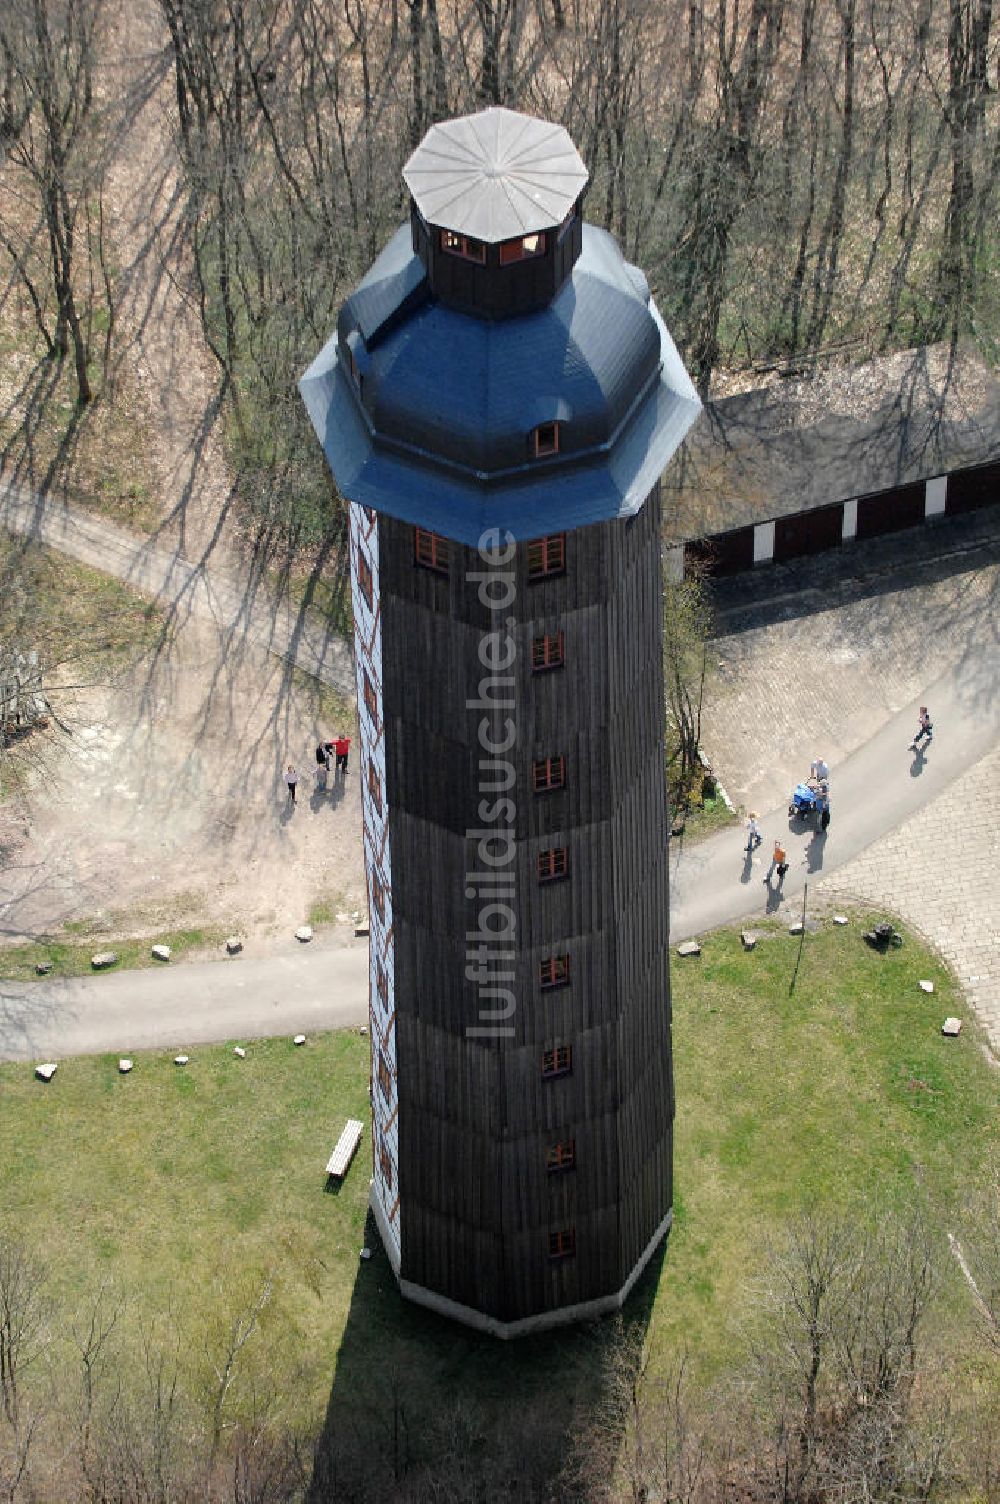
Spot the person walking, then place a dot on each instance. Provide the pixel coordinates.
(291, 779)
(819, 770)
(754, 836)
(342, 747)
(322, 765)
(925, 729)
(779, 864)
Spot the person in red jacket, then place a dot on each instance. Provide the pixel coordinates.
(342, 747)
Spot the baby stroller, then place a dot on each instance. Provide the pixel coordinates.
(811, 799)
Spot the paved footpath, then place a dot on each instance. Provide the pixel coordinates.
(917, 834)
(888, 803)
(316, 986)
(238, 605)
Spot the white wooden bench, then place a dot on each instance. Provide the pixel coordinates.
(340, 1160)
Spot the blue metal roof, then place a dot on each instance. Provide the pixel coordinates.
(440, 432)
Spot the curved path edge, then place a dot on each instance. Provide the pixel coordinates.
(873, 791)
(173, 581)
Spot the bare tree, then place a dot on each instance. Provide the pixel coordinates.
(979, 1258)
(48, 54)
(969, 25)
(23, 1340)
(686, 630)
(838, 1357)
(226, 1359)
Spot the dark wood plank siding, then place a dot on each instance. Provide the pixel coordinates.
(969, 489)
(889, 511)
(808, 532)
(476, 1118)
(722, 554)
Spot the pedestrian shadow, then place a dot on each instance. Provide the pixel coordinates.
(917, 765)
(814, 852)
(747, 872)
(775, 898)
(328, 795)
(286, 813)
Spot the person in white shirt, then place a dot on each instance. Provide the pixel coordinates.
(818, 769)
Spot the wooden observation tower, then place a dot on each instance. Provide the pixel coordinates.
(498, 404)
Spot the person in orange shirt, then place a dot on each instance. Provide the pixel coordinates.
(779, 863)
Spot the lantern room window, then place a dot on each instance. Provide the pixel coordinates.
(384, 1077)
(545, 440)
(386, 1163)
(522, 249)
(431, 551)
(464, 247)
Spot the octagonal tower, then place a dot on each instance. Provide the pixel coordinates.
(498, 404)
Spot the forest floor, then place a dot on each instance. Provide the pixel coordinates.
(166, 805)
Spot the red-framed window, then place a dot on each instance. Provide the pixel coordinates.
(552, 864)
(365, 584)
(369, 513)
(547, 556)
(522, 249)
(370, 697)
(381, 982)
(386, 1163)
(562, 1243)
(547, 652)
(557, 1062)
(464, 247)
(352, 363)
(561, 1156)
(374, 787)
(378, 894)
(384, 1076)
(431, 551)
(548, 773)
(553, 971)
(545, 440)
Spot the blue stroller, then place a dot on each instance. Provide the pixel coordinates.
(811, 799)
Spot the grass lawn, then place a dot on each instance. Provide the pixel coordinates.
(71, 958)
(183, 1186)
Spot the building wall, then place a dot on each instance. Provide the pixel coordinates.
(475, 1116)
(370, 766)
(776, 540)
